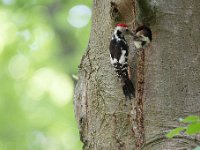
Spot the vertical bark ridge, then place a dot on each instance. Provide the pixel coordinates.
(134, 14)
(138, 126)
(139, 101)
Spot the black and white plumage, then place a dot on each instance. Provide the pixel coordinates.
(142, 37)
(119, 50)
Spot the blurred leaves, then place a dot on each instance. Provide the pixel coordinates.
(39, 52)
(191, 119)
(192, 127)
(175, 132)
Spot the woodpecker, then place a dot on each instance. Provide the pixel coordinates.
(119, 50)
(142, 37)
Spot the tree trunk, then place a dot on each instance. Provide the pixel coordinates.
(170, 70)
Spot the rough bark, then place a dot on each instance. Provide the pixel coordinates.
(170, 72)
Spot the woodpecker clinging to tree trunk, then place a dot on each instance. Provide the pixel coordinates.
(119, 58)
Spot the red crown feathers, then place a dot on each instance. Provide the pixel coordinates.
(122, 25)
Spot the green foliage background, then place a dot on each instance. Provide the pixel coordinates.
(39, 53)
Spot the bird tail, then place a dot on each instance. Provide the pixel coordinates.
(128, 88)
(127, 84)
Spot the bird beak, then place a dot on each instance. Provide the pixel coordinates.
(130, 32)
(136, 38)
